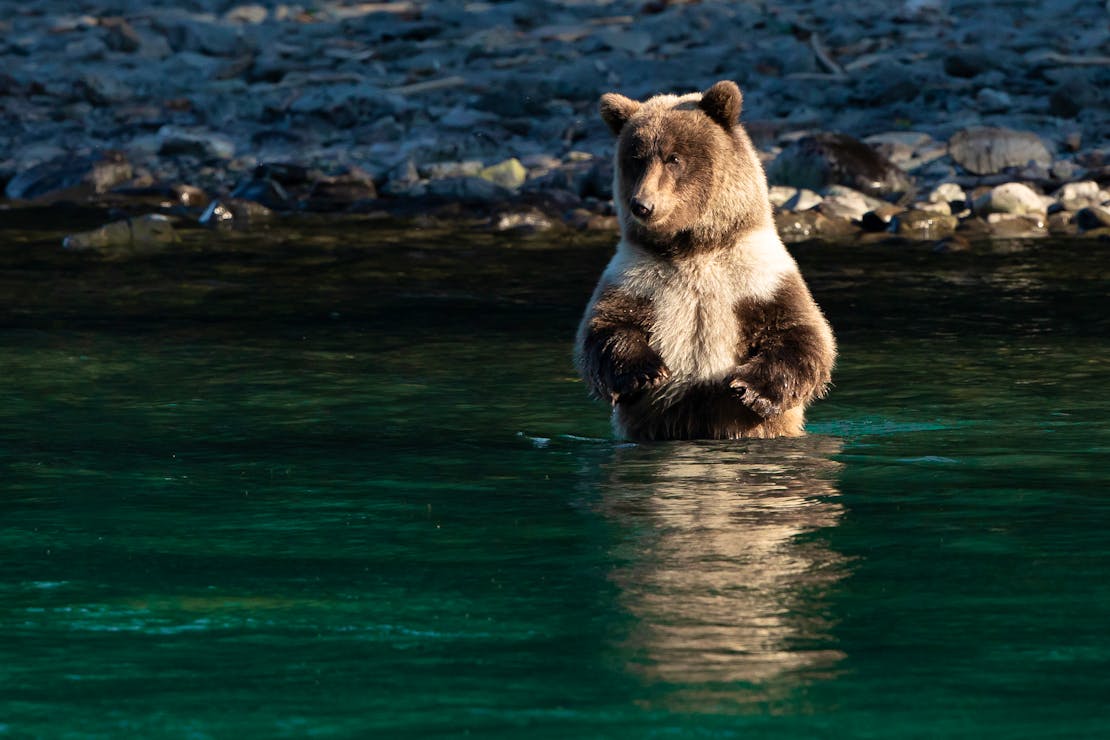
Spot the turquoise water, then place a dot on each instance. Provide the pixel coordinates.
(341, 481)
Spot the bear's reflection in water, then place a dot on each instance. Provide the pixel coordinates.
(723, 563)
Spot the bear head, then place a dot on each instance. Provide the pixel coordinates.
(686, 176)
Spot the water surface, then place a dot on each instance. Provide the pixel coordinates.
(339, 480)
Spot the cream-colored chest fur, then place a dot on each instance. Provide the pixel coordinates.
(694, 299)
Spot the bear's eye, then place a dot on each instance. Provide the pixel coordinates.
(673, 159)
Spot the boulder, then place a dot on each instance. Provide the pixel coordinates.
(986, 150)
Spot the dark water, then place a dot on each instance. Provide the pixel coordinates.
(342, 482)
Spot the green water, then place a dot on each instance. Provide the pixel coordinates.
(340, 481)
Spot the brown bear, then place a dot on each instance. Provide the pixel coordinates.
(701, 325)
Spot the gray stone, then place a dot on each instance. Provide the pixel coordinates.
(846, 206)
(199, 143)
(825, 159)
(89, 48)
(993, 101)
(441, 170)
(185, 32)
(467, 190)
(69, 176)
(803, 200)
(988, 150)
(780, 194)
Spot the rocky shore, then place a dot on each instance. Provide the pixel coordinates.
(940, 120)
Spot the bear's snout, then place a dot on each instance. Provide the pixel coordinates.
(641, 208)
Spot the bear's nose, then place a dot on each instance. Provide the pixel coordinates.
(641, 209)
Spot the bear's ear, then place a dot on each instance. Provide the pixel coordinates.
(722, 103)
(616, 110)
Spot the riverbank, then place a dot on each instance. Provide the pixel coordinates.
(975, 121)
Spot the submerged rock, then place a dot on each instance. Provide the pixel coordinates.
(341, 191)
(67, 177)
(1008, 225)
(986, 150)
(234, 213)
(826, 159)
(803, 225)
(143, 232)
(925, 225)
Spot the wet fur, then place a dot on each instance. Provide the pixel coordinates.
(701, 325)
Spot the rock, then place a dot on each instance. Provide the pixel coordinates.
(879, 219)
(467, 190)
(441, 170)
(102, 89)
(247, 14)
(525, 221)
(185, 32)
(993, 101)
(1093, 217)
(121, 35)
(341, 191)
(509, 174)
(947, 193)
(1074, 96)
(1011, 198)
(968, 63)
(264, 190)
(925, 225)
(70, 177)
(1062, 224)
(803, 200)
(780, 194)
(151, 230)
(805, 225)
(849, 206)
(1078, 192)
(1008, 225)
(86, 49)
(932, 207)
(231, 213)
(987, 150)
(824, 159)
(205, 145)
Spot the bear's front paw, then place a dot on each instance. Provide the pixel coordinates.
(753, 394)
(633, 379)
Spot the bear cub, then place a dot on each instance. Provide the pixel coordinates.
(701, 325)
